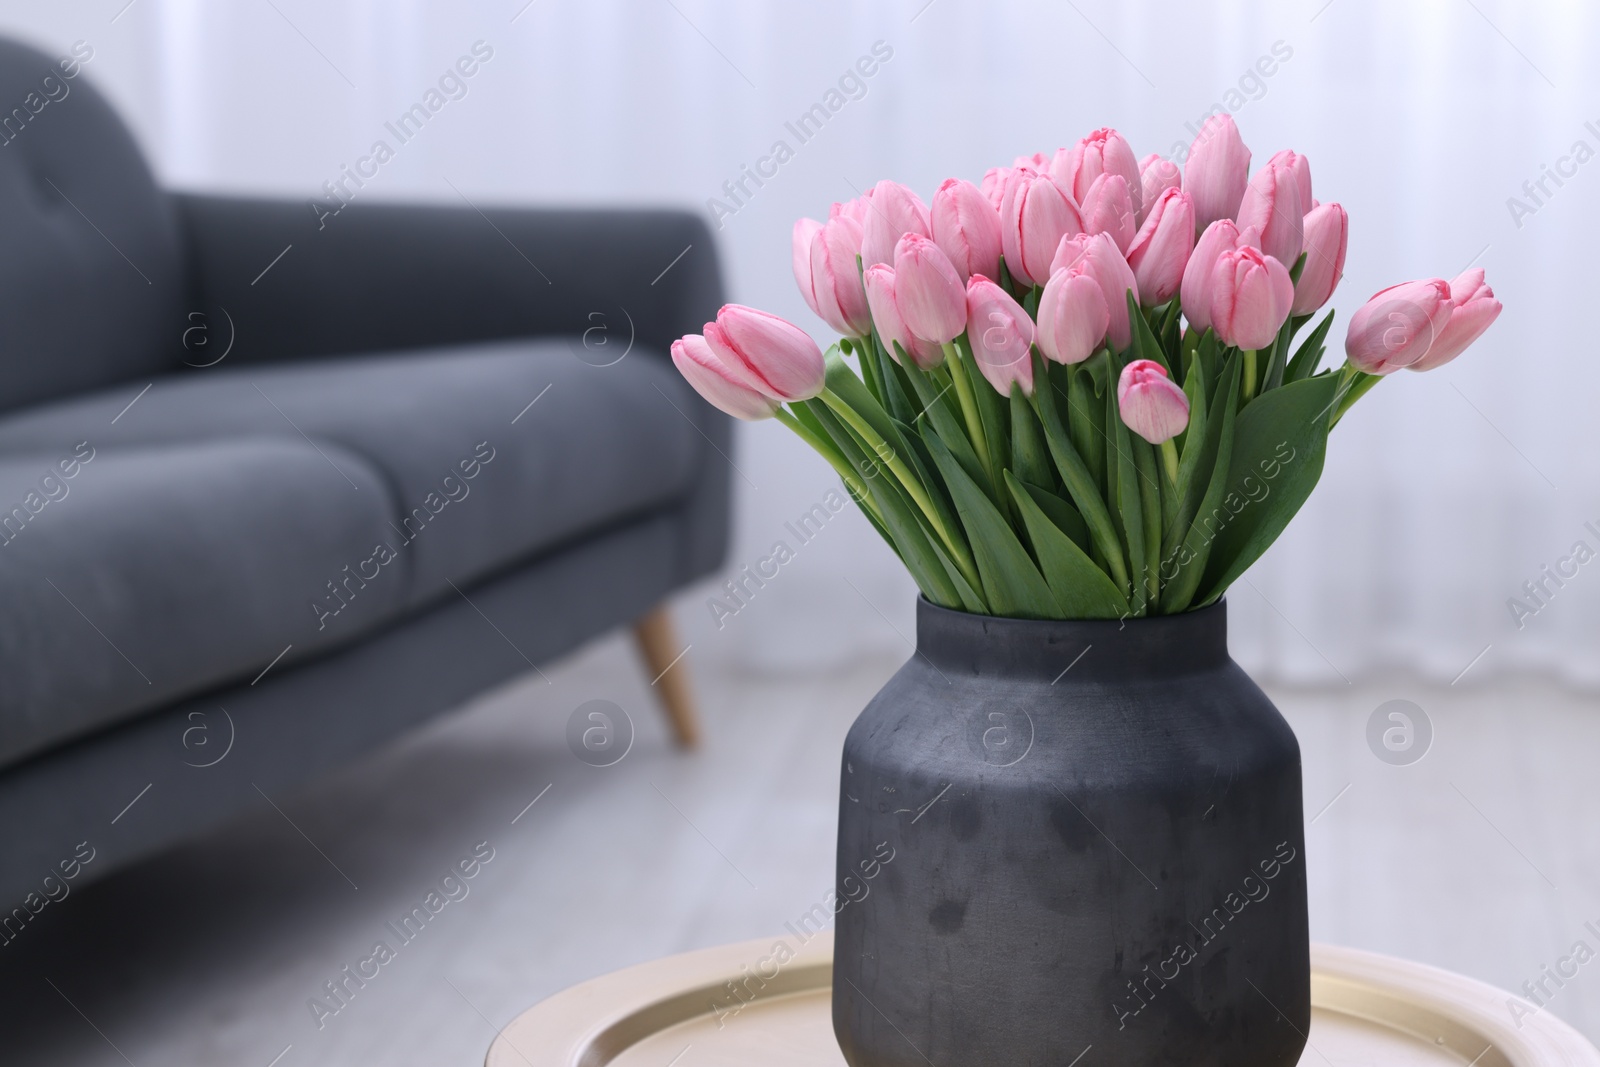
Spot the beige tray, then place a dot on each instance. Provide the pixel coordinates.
(1367, 1010)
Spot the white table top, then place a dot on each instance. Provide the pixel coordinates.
(1367, 1009)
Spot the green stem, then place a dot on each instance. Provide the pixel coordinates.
(1081, 486)
(1249, 374)
(1355, 386)
(829, 452)
(889, 457)
(967, 402)
(1169, 460)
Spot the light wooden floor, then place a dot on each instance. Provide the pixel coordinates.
(1484, 858)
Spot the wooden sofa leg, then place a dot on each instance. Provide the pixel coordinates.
(663, 658)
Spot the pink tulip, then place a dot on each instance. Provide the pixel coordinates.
(1327, 231)
(895, 212)
(1151, 403)
(1216, 171)
(800, 250)
(1001, 335)
(1272, 205)
(856, 209)
(836, 280)
(1038, 163)
(891, 324)
(1195, 290)
(1036, 214)
(1473, 310)
(777, 357)
(967, 226)
(1250, 297)
(1108, 209)
(1072, 316)
(1099, 258)
(996, 180)
(725, 386)
(1105, 151)
(1300, 167)
(1161, 250)
(1156, 176)
(1398, 326)
(930, 294)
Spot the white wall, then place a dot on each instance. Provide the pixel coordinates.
(1443, 493)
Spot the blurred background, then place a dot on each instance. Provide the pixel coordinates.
(1442, 495)
(1436, 123)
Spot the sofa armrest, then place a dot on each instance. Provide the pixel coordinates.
(380, 276)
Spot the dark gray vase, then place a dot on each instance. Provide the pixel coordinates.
(1065, 839)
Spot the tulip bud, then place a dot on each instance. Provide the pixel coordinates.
(1398, 325)
(895, 212)
(836, 280)
(1001, 335)
(1038, 163)
(1098, 257)
(1195, 290)
(1327, 230)
(779, 357)
(1108, 209)
(1161, 250)
(930, 294)
(1272, 205)
(805, 230)
(855, 209)
(1156, 176)
(1216, 171)
(726, 387)
(1036, 214)
(1072, 316)
(1152, 405)
(996, 180)
(1250, 298)
(1300, 167)
(1105, 151)
(891, 324)
(1473, 310)
(967, 226)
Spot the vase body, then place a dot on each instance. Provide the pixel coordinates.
(1067, 836)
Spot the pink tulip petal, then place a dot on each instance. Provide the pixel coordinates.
(714, 381)
(1216, 171)
(929, 292)
(1150, 403)
(1001, 335)
(782, 356)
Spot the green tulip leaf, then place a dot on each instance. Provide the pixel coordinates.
(1061, 512)
(899, 515)
(1278, 451)
(1081, 484)
(1145, 345)
(1081, 587)
(1012, 585)
(1029, 455)
(1309, 354)
(1122, 479)
(1183, 567)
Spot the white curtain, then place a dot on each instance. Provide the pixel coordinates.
(1444, 493)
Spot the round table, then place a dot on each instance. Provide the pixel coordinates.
(1367, 1010)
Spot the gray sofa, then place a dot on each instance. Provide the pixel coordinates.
(275, 487)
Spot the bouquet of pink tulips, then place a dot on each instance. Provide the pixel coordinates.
(1077, 390)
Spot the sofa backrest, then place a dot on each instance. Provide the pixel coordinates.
(90, 257)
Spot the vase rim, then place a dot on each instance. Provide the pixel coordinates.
(952, 640)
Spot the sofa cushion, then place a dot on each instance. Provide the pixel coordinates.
(480, 479)
(91, 264)
(135, 575)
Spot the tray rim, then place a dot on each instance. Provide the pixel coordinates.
(589, 1024)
